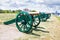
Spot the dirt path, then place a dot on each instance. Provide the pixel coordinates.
(10, 32)
(54, 28)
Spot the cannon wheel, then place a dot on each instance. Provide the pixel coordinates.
(44, 19)
(36, 20)
(24, 22)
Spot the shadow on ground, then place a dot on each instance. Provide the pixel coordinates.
(36, 29)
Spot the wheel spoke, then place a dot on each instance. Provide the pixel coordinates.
(35, 23)
(23, 27)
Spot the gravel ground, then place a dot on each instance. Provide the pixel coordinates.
(10, 32)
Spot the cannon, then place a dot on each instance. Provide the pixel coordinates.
(25, 20)
(44, 16)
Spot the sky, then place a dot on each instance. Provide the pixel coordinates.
(39, 5)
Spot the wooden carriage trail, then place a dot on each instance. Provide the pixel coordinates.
(10, 32)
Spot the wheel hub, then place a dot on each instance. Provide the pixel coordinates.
(24, 22)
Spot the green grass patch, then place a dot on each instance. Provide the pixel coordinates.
(58, 18)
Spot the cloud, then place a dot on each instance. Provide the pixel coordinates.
(40, 5)
(52, 1)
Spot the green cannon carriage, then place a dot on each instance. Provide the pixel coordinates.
(25, 20)
(44, 16)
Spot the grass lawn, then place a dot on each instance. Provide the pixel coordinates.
(6, 17)
(58, 18)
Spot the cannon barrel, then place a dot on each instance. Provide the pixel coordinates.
(9, 22)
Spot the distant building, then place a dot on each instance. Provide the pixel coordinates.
(57, 13)
(26, 9)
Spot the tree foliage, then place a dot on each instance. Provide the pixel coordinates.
(9, 11)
